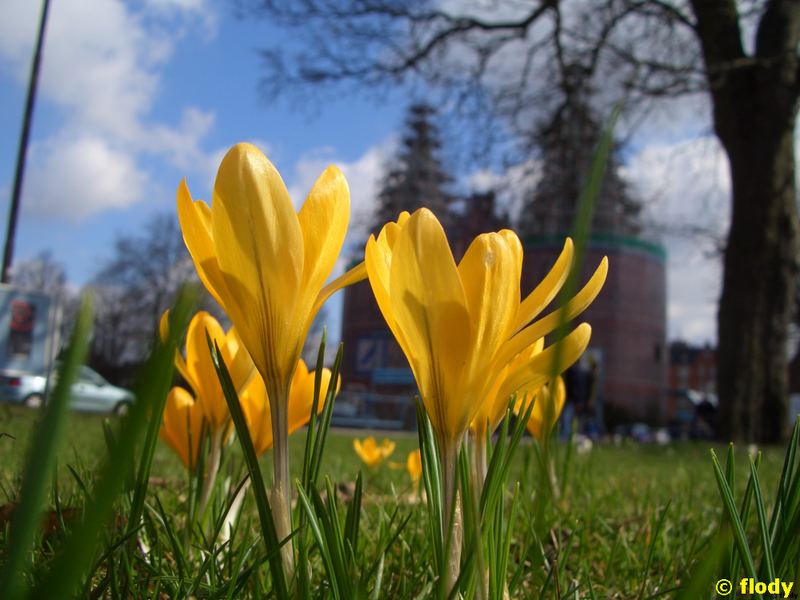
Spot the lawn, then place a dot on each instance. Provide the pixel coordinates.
(632, 521)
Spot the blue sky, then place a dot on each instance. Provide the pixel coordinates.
(135, 96)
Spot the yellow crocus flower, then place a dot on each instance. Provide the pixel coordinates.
(371, 453)
(267, 265)
(461, 325)
(493, 408)
(198, 370)
(264, 262)
(414, 465)
(255, 405)
(182, 425)
(546, 409)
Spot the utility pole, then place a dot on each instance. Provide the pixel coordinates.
(13, 209)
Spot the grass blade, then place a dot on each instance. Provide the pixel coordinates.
(321, 434)
(176, 329)
(763, 528)
(271, 541)
(308, 451)
(79, 550)
(651, 551)
(353, 518)
(782, 497)
(738, 529)
(41, 461)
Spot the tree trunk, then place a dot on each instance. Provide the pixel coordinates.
(755, 106)
(758, 283)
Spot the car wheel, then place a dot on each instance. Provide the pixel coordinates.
(122, 408)
(34, 401)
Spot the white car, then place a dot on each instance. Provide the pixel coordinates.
(90, 392)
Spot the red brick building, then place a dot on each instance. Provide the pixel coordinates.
(628, 321)
(692, 367)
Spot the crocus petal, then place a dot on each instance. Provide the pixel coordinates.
(255, 406)
(301, 371)
(493, 407)
(378, 263)
(377, 259)
(195, 220)
(237, 359)
(359, 449)
(200, 367)
(547, 408)
(430, 308)
(552, 360)
(301, 397)
(351, 276)
(163, 326)
(545, 325)
(255, 403)
(182, 425)
(323, 221)
(515, 246)
(163, 332)
(387, 447)
(547, 289)
(369, 451)
(490, 277)
(414, 465)
(259, 245)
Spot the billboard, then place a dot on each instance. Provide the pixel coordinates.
(26, 331)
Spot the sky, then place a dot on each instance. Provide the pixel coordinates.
(135, 96)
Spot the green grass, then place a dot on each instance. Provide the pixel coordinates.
(634, 522)
(84, 448)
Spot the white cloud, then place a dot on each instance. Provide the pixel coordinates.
(73, 178)
(181, 144)
(686, 188)
(511, 186)
(684, 184)
(102, 68)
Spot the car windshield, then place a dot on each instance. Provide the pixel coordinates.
(87, 375)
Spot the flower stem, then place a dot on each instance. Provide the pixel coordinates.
(280, 494)
(211, 471)
(479, 460)
(233, 513)
(479, 470)
(550, 469)
(451, 514)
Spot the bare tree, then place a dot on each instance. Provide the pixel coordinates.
(514, 58)
(567, 142)
(755, 107)
(133, 288)
(42, 273)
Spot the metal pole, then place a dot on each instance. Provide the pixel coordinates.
(13, 209)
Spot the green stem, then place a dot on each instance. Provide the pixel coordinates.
(550, 466)
(480, 464)
(479, 469)
(451, 513)
(280, 493)
(233, 513)
(211, 471)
